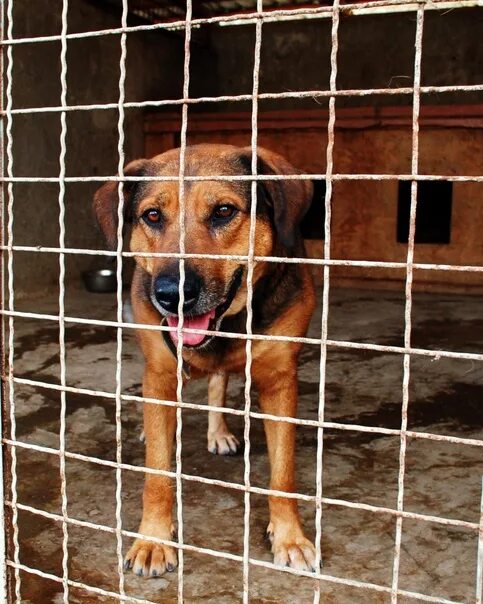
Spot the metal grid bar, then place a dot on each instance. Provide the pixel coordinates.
(386, 6)
(3, 389)
(230, 411)
(258, 18)
(408, 309)
(182, 276)
(119, 329)
(62, 361)
(276, 259)
(250, 268)
(436, 354)
(325, 292)
(454, 522)
(11, 333)
(247, 97)
(221, 178)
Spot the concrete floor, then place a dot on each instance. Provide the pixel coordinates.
(362, 387)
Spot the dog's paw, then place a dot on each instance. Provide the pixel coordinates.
(148, 559)
(223, 442)
(291, 548)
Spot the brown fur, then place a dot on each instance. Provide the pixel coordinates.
(283, 301)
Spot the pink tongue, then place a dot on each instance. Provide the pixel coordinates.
(199, 322)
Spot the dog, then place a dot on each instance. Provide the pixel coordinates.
(217, 221)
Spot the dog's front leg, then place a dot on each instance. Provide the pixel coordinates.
(278, 396)
(220, 440)
(147, 558)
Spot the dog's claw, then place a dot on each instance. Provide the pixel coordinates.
(223, 443)
(291, 548)
(148, 559)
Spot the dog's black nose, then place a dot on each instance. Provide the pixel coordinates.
(166, 290)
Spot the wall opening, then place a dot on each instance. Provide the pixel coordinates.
(433, 213)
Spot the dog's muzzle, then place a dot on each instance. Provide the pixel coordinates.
(208, 321)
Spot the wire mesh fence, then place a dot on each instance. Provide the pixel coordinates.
(12, 442)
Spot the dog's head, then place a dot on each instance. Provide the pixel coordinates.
(217, 221)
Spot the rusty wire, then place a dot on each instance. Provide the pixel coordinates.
(258, 17)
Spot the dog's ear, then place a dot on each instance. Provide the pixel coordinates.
(289, 199)
(106, 201)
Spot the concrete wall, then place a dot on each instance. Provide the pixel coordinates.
(154, 71)
(374, 52)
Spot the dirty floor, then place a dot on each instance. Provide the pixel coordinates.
(363, 387)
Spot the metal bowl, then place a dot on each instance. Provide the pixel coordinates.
(100, 281)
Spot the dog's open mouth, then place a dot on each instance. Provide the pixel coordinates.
(209, 321)
(204, 322)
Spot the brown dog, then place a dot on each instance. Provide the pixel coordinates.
(217, 221)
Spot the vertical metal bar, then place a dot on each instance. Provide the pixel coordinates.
(120, 228)
(250, 269)
(325, 292)
(408, 309)
(63, 135)
(3, 400)
(179, 345)
(11, 327)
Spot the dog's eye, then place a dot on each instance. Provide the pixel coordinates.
(152, 216)
(223, 213)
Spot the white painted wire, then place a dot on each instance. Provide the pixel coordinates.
(249, 320)
(320, 12)
(182, 277)
(3, 386)
(259, 17)
(235, 178)
(236, 98)
(62, 359)
(120, 228)
(309, 94)
(342, 503)
(435, 354)
(11, 293)
(302, 422)
(3, 464)
(408, 309)
(325, 292)
(242, 258)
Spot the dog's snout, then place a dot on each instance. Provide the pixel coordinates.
(166, 291)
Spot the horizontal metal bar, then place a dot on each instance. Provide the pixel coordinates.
(237, 98)
(277, 418)
(242, 258)
(242, 178)
(251, 17)
(436, 354)
(463, 524)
